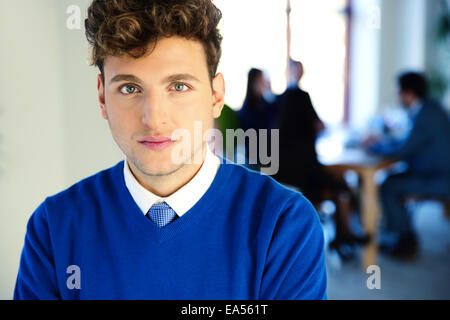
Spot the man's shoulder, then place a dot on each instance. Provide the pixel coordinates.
(296, 91)
(432, 108)
(433, 117)
(87, 187)
(268, 205)
(261, 187)
(294, 94)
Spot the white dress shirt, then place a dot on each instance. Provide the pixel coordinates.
(184, 198)
(415, 108)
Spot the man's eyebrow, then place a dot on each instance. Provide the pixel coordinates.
(171, 78)
(180, 77)
(125, 77)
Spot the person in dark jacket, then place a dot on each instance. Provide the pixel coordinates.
(299, 167)
(426, 151)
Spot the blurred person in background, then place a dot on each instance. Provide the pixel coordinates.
(299, 167)
(256, 112)
(259, 107)
(426, 151)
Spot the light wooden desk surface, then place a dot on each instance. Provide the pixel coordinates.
(338, 158)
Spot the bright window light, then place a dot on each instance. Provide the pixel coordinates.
(255, 36)
(318, 40)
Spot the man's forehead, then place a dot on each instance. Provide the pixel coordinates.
(170, 56)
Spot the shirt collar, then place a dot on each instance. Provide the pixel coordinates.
(184, 198)
(415, 108)
(293, 85)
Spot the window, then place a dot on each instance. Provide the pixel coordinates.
(319, 40)
(255, 35)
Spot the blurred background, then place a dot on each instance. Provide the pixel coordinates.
(352, 51)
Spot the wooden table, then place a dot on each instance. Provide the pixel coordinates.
(339, 159)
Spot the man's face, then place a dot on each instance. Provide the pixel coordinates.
(146, 99)
(261, 84)
(407, 98)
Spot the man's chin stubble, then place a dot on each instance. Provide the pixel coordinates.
(158, 173)
(163, 174)
(167, 173)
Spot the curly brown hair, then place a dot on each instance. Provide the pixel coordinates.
(127, 27)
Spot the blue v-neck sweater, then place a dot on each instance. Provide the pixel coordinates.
(248, 237)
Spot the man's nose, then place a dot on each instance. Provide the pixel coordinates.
(154, 115)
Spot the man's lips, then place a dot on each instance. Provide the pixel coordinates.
(156, 143)
(155, 139)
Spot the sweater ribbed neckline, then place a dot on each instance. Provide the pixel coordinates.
(206, 205)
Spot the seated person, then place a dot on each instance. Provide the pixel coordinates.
(426, 151)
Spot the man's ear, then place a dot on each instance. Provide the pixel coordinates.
(101, 96)
(218, 84)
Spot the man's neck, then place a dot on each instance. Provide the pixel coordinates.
(165, 185)
(415, 107)
(293, 85)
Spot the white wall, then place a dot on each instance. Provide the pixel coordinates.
(364, 54)
(403, 30)
(381, 52)
(51, 130)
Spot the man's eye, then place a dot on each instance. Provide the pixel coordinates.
(180, 87)
(128, 89)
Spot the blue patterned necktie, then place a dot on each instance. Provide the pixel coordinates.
(161, 214)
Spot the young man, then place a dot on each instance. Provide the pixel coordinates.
(154, 228)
